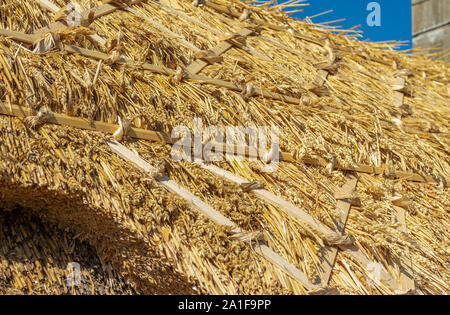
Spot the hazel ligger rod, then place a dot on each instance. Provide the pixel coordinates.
(161, 137)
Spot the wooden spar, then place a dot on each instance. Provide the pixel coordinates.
(54, 9)
(173, 187)
(58, 25)
(22, 37)
(284, 265)
(352, 250)
(231, 12)
(407, 283)
(166, 71)
(231, 86)
(97, 55)
(222, 9)
(63, 120)
(212, 214)
(399, 97)
(362, 168)
(108, 8)
(216, 31)
(299, 215)
(183, 15)
(100, 11)
(199, 64)
(137, 133)
(330, 253)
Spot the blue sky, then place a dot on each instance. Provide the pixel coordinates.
(395, 17)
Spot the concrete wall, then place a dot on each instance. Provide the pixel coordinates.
(431, 23)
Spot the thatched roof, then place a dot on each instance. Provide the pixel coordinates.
(352, 114)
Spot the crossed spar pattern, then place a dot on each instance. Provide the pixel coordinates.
(210, 59)
(324, 68)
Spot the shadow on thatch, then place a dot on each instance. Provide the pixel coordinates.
(35, 258)
(131, 257)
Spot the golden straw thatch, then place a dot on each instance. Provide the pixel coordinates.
(364, 131)
(38, 255)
